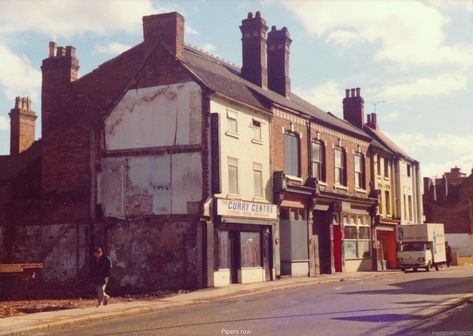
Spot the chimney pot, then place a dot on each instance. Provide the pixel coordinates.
(71, 51)
(353, 93)
(273, 28)
(258, 14)
(357, 92)
(52, 49)
(61, 51)
(347, 93)
(250, 15)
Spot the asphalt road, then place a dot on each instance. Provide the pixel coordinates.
(387, 305)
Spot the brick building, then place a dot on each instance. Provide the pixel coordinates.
(190, 171)
(448, 200)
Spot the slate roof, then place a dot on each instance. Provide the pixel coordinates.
(386, 141)
(224, 78)
(13, 165)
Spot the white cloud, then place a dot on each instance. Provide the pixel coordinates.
(327, 96)
(190, 30)
(66, 18)
(112, 48)
(208, 47)
(345, 38)
(406, 32)
(428, 86)
(453, 143)
(17, 76)
(4, 124)
(441, 151)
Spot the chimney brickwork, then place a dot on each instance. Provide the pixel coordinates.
(168, 29)
(353, 107)
(22, 125)
(253, 30)
(279, 42)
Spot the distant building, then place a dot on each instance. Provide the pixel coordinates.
(448, 200)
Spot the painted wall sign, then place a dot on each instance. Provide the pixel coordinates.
(227, 207)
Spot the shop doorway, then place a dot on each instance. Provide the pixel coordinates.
(337, 255)
(267, 253)
(322, 230)
(234, 238)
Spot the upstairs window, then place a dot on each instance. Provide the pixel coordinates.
(387, 200)
(256, 125)
(340, 163)
(378, 166)
(291, 154)
(359, 171)
(318, 160)
(232, 122)
(258, 179)
(408, 170)
(386, 168)
(232, 175)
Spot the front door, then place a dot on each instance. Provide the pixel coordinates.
(337, 257)
(234, 255)
(267, 253)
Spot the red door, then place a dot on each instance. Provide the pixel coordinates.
(337, 255)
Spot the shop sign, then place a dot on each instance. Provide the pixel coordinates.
(228, 207)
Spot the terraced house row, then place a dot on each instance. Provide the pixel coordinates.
(193, 172)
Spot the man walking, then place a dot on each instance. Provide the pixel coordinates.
(99, 274)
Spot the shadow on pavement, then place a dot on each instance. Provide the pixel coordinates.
(381, 318)
(435, 286)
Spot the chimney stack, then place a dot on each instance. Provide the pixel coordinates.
(166, 28)
(253, 30)
(372, 122)
(61, 64)
(353, 107)
(279, 42)
(22, 125)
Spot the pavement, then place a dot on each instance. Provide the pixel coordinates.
(29, 324)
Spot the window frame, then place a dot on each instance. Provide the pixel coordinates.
(341, 168)
(287, 171)
(361, 173)
(233, 163)
(232, 115)
(321, 160)
(258, 169)
(257, 127)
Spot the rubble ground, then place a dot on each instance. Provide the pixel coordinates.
(9, 308)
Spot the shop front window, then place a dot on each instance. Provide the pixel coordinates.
(250, 249)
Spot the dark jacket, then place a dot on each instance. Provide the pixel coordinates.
(100, 271)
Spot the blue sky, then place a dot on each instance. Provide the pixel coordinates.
(416, 57)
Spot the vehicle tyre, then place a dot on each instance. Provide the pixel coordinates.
(436, 267)
(415, 269)
(403, 269)
(427, 268)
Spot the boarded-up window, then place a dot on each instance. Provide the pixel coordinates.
(250, 249)
(223, 249)
(291, 154)
(232, 122)
(232, 175)
(258, 179)
(256, 125)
